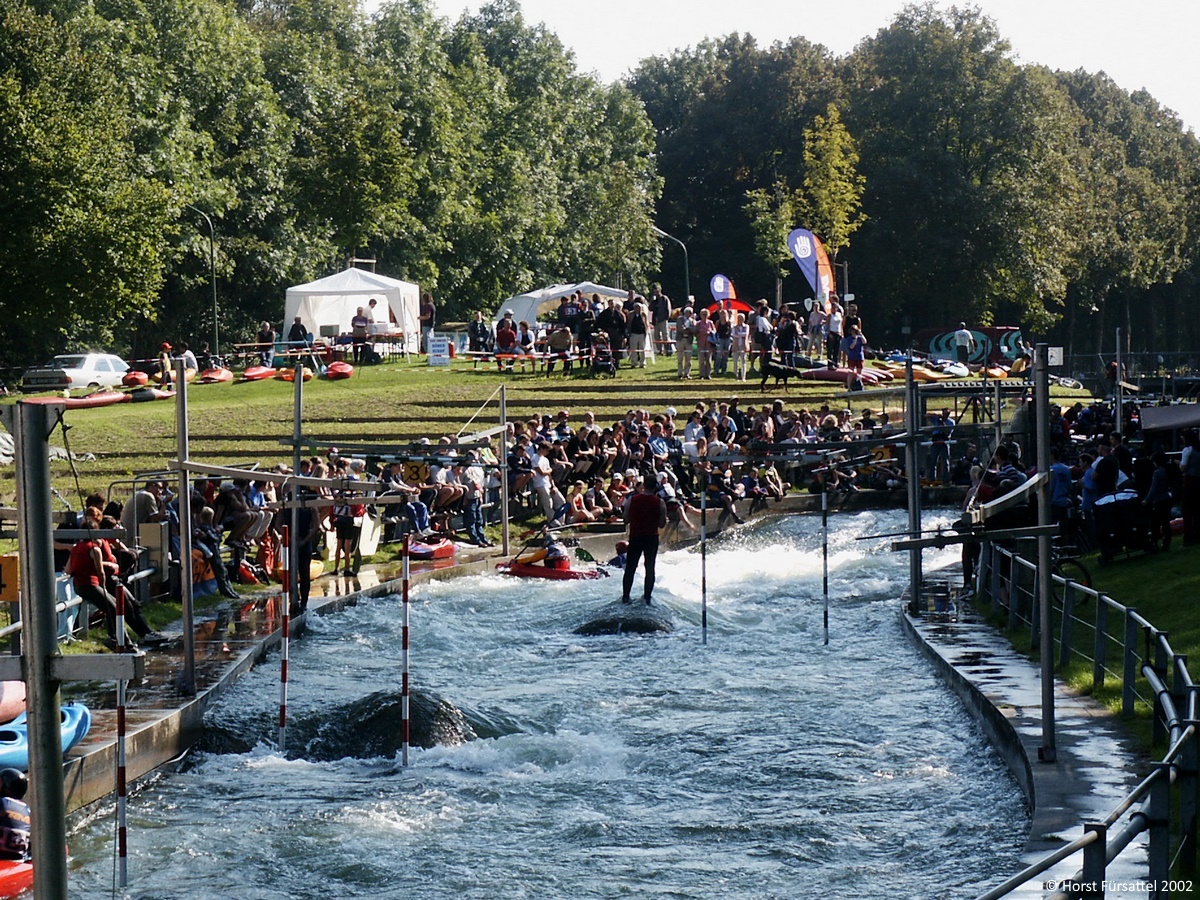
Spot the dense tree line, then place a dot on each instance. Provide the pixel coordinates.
(994, 192)
(472, 157)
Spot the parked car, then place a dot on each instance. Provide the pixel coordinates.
(76, 370)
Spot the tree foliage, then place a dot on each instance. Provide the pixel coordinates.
(472, 157)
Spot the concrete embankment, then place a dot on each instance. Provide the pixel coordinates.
(1096, 762)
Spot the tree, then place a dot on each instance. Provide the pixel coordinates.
(83, 252)
(831, 202)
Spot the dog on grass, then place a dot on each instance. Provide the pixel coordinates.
(773, 368)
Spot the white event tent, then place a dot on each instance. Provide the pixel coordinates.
(327, 305)
(544, 302)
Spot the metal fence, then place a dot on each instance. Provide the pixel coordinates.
(1125, 647)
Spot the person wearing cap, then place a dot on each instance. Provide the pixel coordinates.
(645, 513)
(164, 364)
(618, 490)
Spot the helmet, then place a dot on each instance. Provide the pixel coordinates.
(13, 783)
(622, 546)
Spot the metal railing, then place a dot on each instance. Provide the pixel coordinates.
(1009, 583)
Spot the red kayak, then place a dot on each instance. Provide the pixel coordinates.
(91, 401)
(220, 375)
(443, 549)
(15, 877)
(134, 378)
(257, 373)
(536, 570)
(339, 369)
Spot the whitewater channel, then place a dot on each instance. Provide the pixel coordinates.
(763, 765)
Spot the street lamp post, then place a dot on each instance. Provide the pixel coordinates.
(687, 281)
(212, 275)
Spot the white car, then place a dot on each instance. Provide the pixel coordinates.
(76, 370)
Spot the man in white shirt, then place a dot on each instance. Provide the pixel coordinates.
(964, 343)
(549, 495)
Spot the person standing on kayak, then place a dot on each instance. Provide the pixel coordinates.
(645, 513)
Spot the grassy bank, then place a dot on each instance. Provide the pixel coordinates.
(1162, 588)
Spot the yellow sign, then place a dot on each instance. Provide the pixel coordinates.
(9, 578)
(416, 472)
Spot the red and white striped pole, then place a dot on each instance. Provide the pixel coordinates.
(287, 627)
(122, 832)
(405, 720)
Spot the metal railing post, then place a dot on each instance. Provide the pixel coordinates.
(1129, 670)
(1179, 683)
(1035, 618)
(1100, 642)
(1160, 667)
(1014, 599)
(994, 577)
(1189, 799)
(1159, 831)
(1094, 860)
(1068, 615)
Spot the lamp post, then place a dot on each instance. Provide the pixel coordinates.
(687, 281)
(212, 274)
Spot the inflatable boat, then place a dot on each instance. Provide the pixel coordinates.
(339, 369)
(134, 378)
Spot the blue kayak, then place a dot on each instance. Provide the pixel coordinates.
(14, 737)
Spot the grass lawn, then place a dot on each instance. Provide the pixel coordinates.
(1163, 588)
(390, 403)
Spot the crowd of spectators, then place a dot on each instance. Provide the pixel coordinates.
(720, 336)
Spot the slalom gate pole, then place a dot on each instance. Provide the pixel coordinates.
(405, 720)
(704, 565)
(286, 598)
(825, 551)
(122, 784)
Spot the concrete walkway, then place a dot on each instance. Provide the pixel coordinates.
(1097, 763)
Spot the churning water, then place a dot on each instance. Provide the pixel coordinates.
(762, 765)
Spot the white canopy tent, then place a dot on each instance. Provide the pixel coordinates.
(545, 301)
(333, 301)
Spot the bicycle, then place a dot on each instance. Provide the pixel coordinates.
(1066, 565)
